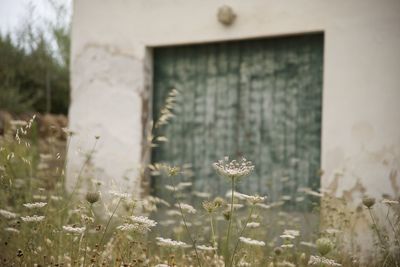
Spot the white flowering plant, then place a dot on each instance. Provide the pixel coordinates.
(43, 224)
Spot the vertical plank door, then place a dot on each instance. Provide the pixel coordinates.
(261, 99)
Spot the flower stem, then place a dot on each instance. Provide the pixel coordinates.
(108, 223)
(241, 233)
(230, 223)
(185, 224)
(213, 240)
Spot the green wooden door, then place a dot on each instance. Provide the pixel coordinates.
(256, 98)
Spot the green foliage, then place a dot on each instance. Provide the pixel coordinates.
(34, 69)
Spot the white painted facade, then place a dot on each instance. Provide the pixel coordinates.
(111, 77)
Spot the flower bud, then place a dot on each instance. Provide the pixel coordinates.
(92, 197)
(324, 245)
(227, 215)
(278, 251)
(368, 202)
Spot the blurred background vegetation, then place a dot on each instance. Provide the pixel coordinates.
(34, 65)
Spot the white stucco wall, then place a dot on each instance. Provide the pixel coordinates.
(361, 91)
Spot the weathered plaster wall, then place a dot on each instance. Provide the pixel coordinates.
(361, 94)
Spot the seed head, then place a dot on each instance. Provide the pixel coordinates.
(278, 251)
(233, 169)
(209, 206)
(92, 197)
(324, 246)
(368, 202)
(219, 202)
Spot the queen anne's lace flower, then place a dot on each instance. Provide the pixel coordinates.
(167, 242)
(143, 220)
(206, 248)
(35, 205)
(139, 224)
(74, 230)
(8, 214)
(255, 199)
(233, 169)
(308, 244)
(34, 218)
(253, 224)
(251, 242)
(120, 194)
(319, 261)
(186, 208)
(287, 236)
(128, 227)
(390, 202)
(11, 229)
(173, 213)
(291, 232)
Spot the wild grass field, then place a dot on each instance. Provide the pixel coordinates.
(43, 224)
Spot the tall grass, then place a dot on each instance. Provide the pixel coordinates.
(42, 224)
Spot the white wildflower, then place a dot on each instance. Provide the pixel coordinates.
(236, 194)
(186, 207)
(74, 230)
(170, 188)
(287, 246)
(128, 227)
(263, 206)
(167, 242)
(233, 169)
(56, 198)
(286, 264)
(161, 265)
(11, 229)
(319, 261)
(243, 263)
(173, 213)
(308, 244)
(167, 222)
(255, 199)
(187, 223)
(252, 199)
(35, 205)
(39, 197)
(332, 231)
(201, 194)
(287, 236)
(143, 220)
(291, 232)
(120, 194)
(157, 200)
(34, 218)
(253, 224)
(10, 156)
(183, 185)
(251, 242)
(309, 191)
(139, 224)
(206, 248)
(236, 206)
(390, 202)
(8, 214)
